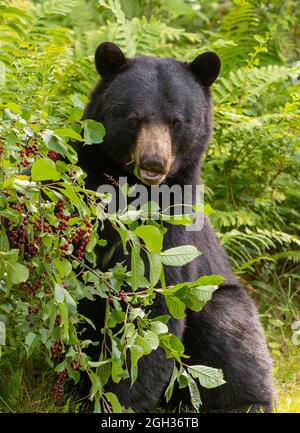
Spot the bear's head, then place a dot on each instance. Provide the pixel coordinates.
(156, 111)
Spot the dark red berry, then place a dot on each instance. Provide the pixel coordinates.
(58, 391)
(33, 310)
(75, 365)
(25, 163)
(33, 250)
(62, 226)
(56, 349)
(63, 375)
(122, 295)
(52, 155)
(58, 320)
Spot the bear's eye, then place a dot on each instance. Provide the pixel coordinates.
(134, 121)
(175, 122)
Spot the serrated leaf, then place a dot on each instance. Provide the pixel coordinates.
(63, 266)
(53, 142)
(93, 132)
(179, 256)
(44, 169)
(208, 377)
(115, 404)
(197, 297)
(175, 306)
(59, 293)
(71, 302)
(169, 390)
(194, 392)
(68, 132)
(155, 268)
(148, 342)
(158, 327)
(16, 272)
(151, 236)
(137, 268)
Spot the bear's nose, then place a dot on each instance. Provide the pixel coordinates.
(153, 163)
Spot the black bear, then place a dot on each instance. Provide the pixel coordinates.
(157, 114)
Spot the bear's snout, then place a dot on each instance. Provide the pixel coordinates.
(153, 153)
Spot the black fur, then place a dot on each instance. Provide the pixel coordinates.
(227, 333)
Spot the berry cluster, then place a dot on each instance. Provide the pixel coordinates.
(75, 365)
(58, 389)
(25, 163)
(61, 225)
(38, 283)
(122, 295)
(33, 310)
(17, 207)
(52, 155)
(1, 150)
(57, 320)
(29, 150)
(42, 227)
(64, 248)
(82, 237)
(56, 349)
(59, 209)
(59, 213)
(19, 238)
(72, 173)
(25, 287)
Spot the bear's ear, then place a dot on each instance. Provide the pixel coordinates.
(108, 59)
(206, 67)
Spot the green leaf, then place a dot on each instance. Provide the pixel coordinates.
(136, 312)
(179, 256)
(151, 236)
(71, 302)
(59, 293)
(44, 169)
(68, 132)
(169, 390)
(158, 327)
(208, 377)
(30, 340)
(63, 266)
(175, 306)
(194, 392)
(149, 341)
(155, 268)
(113, 400)
(136, 353)
(96, 364)
(16, 272)
(53, 142)
(137, 268)
(93, 132)
(197, 297)
(208, 280)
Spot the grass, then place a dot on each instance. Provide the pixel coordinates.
(287, 377)
(30, 389)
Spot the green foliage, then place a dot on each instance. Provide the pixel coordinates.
(251, 173)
